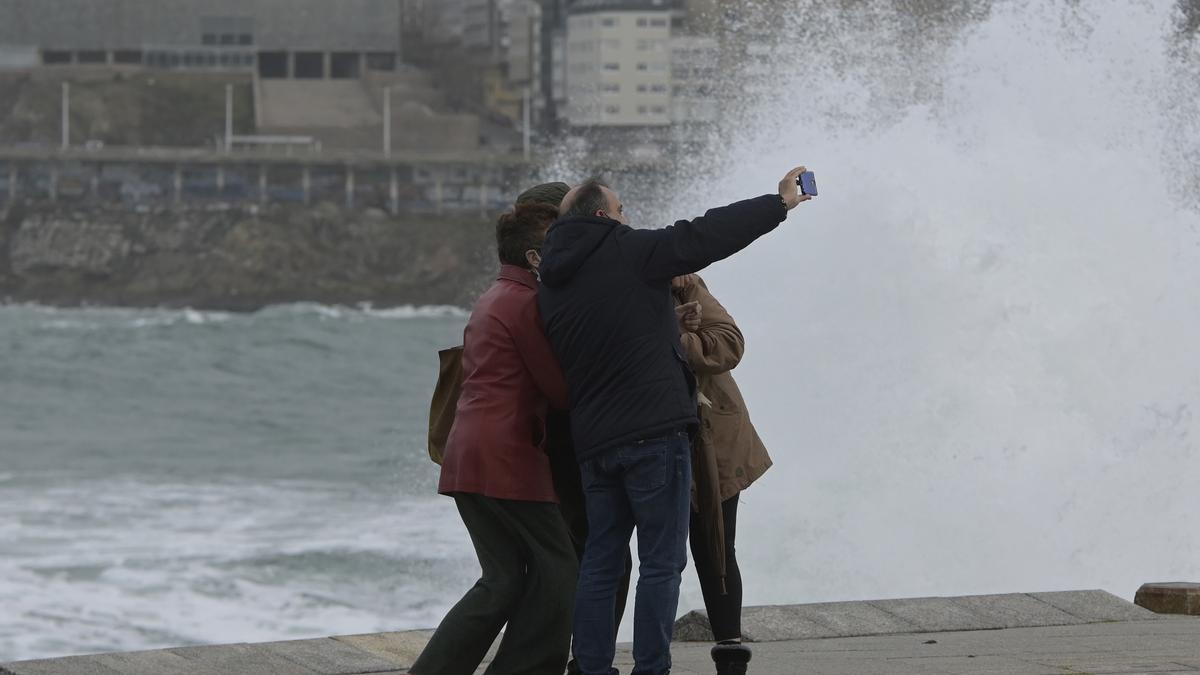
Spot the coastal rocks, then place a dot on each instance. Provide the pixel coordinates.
(242, 259)
(50, 242)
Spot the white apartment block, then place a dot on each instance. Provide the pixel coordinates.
(618, 64)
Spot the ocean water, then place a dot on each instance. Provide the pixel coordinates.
(180, 477)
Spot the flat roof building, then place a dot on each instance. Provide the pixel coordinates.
(281, 38)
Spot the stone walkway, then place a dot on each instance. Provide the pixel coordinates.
(1040, 633)
(1157, 646)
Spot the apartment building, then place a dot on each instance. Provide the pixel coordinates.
(617, 57)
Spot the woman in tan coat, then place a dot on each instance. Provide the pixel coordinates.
(727, 457)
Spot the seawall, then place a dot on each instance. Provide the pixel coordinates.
(240, 257)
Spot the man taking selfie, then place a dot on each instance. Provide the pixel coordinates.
(608, 311)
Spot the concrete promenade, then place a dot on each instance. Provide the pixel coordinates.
(1065, 632)
(1153, 646)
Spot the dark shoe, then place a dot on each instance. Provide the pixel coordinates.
(573, 668)
(731, 658)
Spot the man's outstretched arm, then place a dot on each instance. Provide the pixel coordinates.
(690, 246)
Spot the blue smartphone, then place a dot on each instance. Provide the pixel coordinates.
(808, 183)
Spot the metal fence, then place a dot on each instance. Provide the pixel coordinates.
(397, 184)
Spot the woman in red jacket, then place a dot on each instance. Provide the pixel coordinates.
(499, 476)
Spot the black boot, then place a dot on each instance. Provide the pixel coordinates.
(731, 658)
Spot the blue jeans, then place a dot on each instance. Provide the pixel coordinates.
(646, 485)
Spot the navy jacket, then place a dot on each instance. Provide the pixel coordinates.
(606, 303)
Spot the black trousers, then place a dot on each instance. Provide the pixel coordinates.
(724, 609)
(528, 582)
(569, 484)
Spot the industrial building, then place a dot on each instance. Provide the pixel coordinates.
(304, 39)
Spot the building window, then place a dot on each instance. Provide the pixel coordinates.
(308, 65)
(642, 88)
(273, 64)
(91, 56)
(226, 30)
(642, 110)
(612, 109)
(610, 86)
(659, 110)
(642, 23)
(643, 66)
(658, 23)
(128, 56)
(659, 88)
(344, 65)
(609, 22)
(612, 66)
(52, 57)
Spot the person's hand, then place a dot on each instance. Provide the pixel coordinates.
(689, 317)
(790, 191)
(683, 283)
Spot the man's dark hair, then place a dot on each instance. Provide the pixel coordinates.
(522, 229)
(589, 199)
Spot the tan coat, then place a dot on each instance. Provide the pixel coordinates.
(728, 454)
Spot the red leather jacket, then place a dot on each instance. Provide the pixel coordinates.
(510, 375)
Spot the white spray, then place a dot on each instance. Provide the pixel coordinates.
(976, 356)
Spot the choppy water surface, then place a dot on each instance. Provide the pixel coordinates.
(182, 477)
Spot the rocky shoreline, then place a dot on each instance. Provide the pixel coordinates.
(234, 258)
